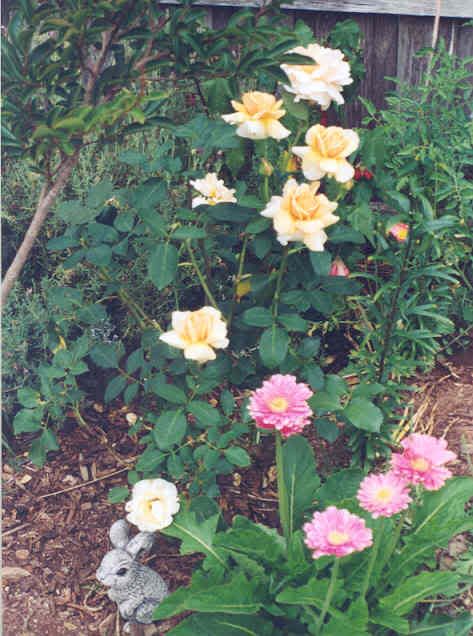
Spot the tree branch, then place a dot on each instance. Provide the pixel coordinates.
(47, 197)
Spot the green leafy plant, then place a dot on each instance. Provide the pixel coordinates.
(150, 231)
(252, 579)
(421, 155)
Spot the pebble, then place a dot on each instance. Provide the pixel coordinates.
(22, 555)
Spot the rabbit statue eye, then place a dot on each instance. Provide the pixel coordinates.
(122, 571)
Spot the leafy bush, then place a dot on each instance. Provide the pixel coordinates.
(421, 153)
(118, 235)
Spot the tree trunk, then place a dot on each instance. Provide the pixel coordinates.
(47, 197)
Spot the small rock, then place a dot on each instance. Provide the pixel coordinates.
(22, 555)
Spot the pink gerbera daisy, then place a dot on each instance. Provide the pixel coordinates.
(422, 461)
(281, 404)
(383, 495)
(336, 532)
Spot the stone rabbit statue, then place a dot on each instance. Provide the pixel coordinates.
(134, 587)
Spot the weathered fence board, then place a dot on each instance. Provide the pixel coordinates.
(449, 8)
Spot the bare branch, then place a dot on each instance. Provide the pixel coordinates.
(48, 196)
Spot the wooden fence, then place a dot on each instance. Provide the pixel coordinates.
(393, 31)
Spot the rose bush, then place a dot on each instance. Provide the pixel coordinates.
(239, 303)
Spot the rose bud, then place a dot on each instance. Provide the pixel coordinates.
(339, 268)
(265, 169)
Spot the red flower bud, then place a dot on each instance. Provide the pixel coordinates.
(368, 174)
(358, 174)
(339, 268)
(323, 119)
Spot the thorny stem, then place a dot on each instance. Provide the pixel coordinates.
(200, 275)
(80, 419)
(277, 293)
(138, 312)
(266, 188)
(241, 266)
(328, 597)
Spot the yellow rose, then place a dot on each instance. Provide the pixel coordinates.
(301, 214)
(326, 153)
(213, 191)
(197, 333)
(152, 505)
(258, 116)
(321, 82)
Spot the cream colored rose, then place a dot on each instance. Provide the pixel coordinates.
(153, 503)
(213, 191)
(301, 214)
(198, 333)
(326, 153)
(257, 117)
(321, 82)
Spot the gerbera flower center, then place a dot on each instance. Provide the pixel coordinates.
(420, 464)
(337, 538)
(278, 404)
(384, 494)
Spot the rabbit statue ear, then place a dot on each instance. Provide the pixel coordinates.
(141, 543)
(119, 534)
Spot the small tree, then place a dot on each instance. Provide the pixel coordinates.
(79, 72)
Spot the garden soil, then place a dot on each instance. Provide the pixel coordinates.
(56, 520)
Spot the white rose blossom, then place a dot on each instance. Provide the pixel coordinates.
(213, 191)
(152, 505)
(321, 82)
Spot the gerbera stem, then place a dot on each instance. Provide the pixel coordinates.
(394, 539)
(282, 492)
(200, 275)
(372, 561)
(329, 595)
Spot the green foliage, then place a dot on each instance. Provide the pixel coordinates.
(421, 153)
(146, 229)
(251, 570)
